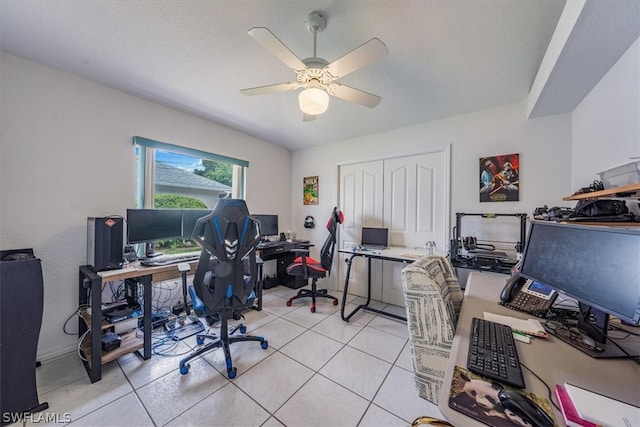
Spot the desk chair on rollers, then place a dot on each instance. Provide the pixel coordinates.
(225, 277)
(308, 267)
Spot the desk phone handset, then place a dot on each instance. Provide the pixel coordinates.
(526, 295)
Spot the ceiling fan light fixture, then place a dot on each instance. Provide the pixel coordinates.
(313, 101)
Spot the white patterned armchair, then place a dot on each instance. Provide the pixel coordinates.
(433, 299)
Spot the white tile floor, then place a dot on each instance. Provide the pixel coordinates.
(317, 371)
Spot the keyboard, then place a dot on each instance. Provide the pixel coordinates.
(492, 353)
(170, 259)
(266, 245)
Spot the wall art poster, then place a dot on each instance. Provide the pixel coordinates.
(500, 178)
(310, 190)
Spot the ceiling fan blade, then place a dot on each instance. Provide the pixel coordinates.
(308, 117)
(260, 90)
(354, 95)
(273, 44)
(360, 57)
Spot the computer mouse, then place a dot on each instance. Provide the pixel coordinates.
(524, 408)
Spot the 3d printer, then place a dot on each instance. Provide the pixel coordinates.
(469, 252)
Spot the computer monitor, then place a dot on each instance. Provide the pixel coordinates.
(151, 225)
(598, 266)
(268, 224)
(189, 218)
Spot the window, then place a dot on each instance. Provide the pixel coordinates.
(170, 176)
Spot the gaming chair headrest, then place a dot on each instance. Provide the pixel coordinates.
(337, 217)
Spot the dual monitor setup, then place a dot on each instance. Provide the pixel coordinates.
(597, 266)
(106, 235)
(152, 225)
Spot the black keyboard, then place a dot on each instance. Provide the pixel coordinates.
(266, 245)
(492, 353)
(170, 259)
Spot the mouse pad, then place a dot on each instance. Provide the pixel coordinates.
(477, 397)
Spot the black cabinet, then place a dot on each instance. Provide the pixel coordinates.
(281, 252)
(21, 303)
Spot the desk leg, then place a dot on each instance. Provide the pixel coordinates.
(364, 306)
(346, 289)
(259, 290)
(146, 286)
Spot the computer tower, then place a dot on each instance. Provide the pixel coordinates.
(105, 243)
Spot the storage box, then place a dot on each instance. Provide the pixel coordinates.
(626, 174)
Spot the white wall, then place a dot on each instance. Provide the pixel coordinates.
(544, 145)
(606, 124)
(66, 153)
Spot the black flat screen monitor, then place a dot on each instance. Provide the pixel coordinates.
(189, 218)
(150, 225)
(598, 266)
(268, 224)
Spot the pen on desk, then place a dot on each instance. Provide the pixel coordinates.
(524, 334)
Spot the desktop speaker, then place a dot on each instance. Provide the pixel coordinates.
(104, 243)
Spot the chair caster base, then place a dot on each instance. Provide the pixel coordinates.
(184, 370)
(231, 373)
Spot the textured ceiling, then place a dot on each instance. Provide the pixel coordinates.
(446, 57)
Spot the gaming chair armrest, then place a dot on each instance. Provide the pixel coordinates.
(303, 254)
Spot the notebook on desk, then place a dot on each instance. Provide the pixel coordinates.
(374, 238)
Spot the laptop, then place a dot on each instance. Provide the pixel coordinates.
(374, 238)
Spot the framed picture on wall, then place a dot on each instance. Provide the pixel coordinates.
(310, 190)
(500, 178)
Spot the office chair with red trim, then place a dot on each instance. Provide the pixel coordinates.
(309, 268)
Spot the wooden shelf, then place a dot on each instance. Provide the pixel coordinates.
(129, 342)
(626, 190)
(87, 319)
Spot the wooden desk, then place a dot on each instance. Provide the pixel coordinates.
(393, 254)
(90, 294)
(553, 360)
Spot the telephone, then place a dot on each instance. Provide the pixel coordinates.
(524, 294)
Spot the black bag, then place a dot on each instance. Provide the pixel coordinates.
(598, 208)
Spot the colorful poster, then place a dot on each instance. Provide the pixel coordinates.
(310, 190)
(500, 178)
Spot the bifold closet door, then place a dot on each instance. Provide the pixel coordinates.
(362, 203)
(409, 196)
(415, 211)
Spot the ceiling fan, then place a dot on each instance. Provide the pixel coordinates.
(316, 75)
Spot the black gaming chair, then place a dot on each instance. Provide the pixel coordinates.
(225, 277)
(308, 267)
